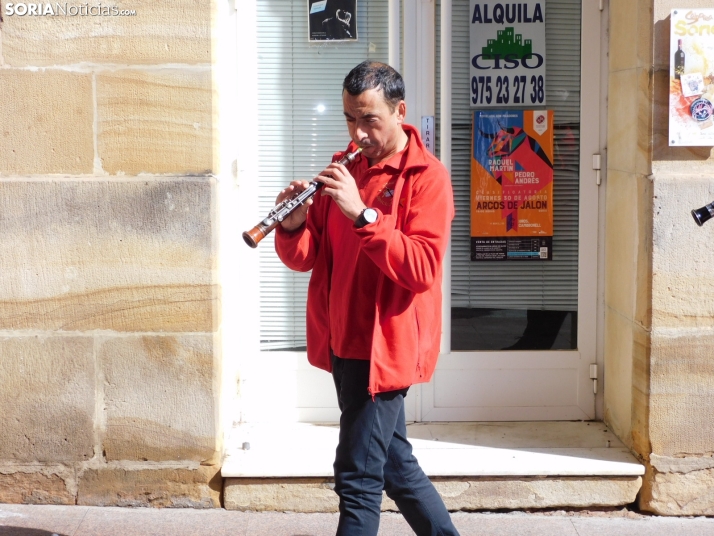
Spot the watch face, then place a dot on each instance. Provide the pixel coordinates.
(370, 215)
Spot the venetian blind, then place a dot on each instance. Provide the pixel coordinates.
(301, 125)
(546, 285)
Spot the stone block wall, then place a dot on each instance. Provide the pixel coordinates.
(109, 298)
(659, 284)
(628, 218)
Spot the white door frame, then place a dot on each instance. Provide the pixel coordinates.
(419, 72)
(306, 394)
(470, 363)
(256, 377)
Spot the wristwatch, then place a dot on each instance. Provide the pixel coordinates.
(367, 216)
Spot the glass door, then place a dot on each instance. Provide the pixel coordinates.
(304, 52)
(520, 335)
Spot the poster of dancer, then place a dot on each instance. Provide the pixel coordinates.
(512, 185)
(332, 20)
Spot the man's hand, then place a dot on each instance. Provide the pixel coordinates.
(341, 186)
(298, 216)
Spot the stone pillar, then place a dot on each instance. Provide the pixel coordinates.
(109, 299)
(659, 305)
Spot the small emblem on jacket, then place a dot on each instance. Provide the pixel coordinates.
(387, 193)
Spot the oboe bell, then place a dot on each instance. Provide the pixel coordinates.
(287, 207)
(703, 214)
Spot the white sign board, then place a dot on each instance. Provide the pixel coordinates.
(507, 54)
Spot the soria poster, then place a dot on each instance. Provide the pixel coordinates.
(512, 185)
(691, 78)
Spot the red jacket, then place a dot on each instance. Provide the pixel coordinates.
(408, 246)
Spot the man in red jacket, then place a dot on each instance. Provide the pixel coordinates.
(375, 238)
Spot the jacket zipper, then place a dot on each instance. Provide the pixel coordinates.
(380, 283)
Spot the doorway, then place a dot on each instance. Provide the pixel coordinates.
(520, 336)
(519, 340)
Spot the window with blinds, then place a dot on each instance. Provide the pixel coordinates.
(519, 305)
(301, 126)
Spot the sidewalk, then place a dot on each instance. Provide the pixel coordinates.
(24, 520)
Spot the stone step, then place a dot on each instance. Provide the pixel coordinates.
(288, 466)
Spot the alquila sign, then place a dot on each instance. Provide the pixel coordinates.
(507, 54)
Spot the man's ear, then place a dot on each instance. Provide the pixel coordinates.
(401, 111)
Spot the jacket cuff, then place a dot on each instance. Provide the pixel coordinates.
(286, 240)
(287, 235)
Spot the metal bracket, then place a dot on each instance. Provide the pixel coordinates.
(597, 166)
(593, 376)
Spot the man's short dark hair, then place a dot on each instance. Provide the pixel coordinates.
(376, 75)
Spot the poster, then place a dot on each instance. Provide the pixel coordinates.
(332, 20)
(691, 78)
(507, 44)
(512, 185)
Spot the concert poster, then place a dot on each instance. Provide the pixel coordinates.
(691, 77)
(512, 185)
(332, 20)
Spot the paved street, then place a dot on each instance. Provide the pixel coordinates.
(24, 520)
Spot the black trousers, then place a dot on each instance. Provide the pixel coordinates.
(374, 454)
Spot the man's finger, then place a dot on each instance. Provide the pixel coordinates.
(338, 169)
(326, 180)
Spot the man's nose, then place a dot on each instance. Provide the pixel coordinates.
(360, 132)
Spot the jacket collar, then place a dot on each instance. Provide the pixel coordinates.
(414, 158)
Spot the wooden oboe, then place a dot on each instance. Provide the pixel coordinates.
(287, 206)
